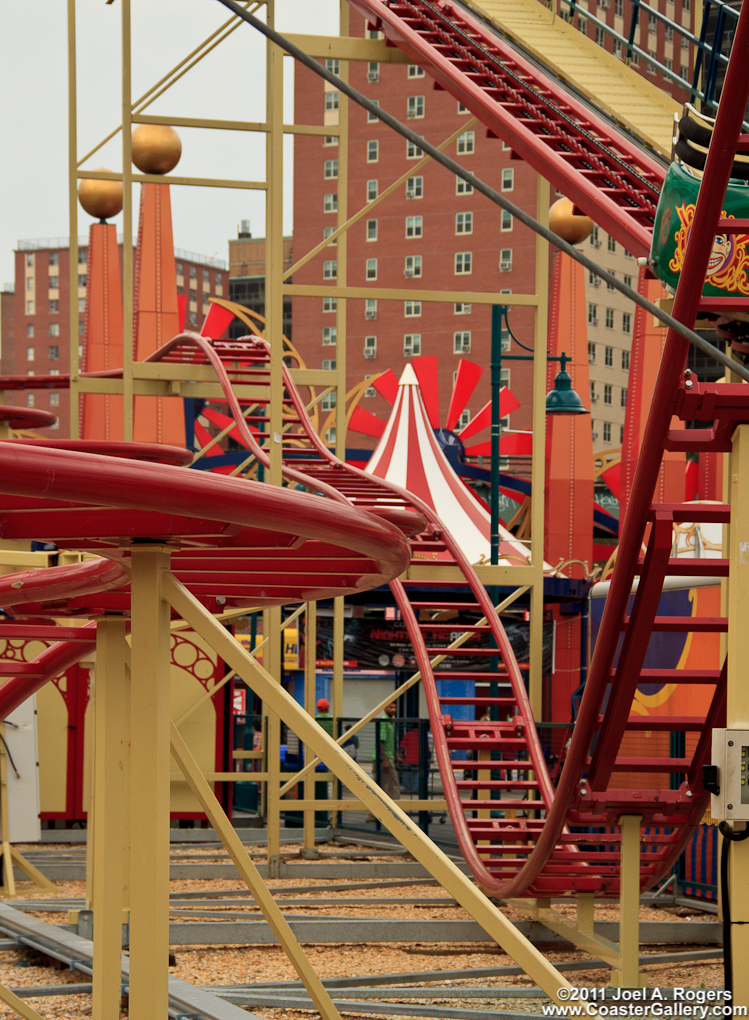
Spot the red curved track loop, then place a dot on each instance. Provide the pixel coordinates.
(605, 173)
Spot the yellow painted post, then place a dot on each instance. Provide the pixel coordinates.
(149, 787)
(737, 706)
(586, 912)
(538, 459)
(342, 257)
(73, 222)
(127, 233)
(272, 659)
(310, 692)
(339, 633)
(628, 975)
(111, 694)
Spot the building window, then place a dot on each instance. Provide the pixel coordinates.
(607, 432)
(462, 109)
(611, 244)
(329, 336)
(593, 390)
(591, 352)
(329, 401)
(54, 306)
(609, 318)
(411, 309)
(30, 259)
(619, 8)
(331, 169)
(373, 151)
(592, 314)
(372, 118)
(29, 399)
(371, 270)
(54, 329)
(81, 304)
(412, 265)
(684, 71)
(608, 357)
(330, 436)
(193, 273)
(414, 71)
(333, 66)
(623, 397)
(330, 270)
(593, 280)
(461, 308)
(54, 258)
(331, 100)
(462, 263)
(371, 191)
(464, 223)
(54, 283)
(625, 361)
(627, 281)
(594, 238)
(652, 23)
(415, 108)
(326, 233)
(626, 322)
(370, 390)
(370, 308)
(463, 187)
(330, 140)
(29, 330)
(466, 143)
(414, 226)
(54, 352)
(373, 71)
(411, 344)
(29, 353)
(330, 202)
(413, 151)
(180, 269)
(29, 307)
(54, 400)
(621, 435)
(370, 346)
(506, 225)
(371, 230)
(618, 48)
(462, 342)
(415, 187)
(505, 260)
(508, 179)
(609, 284)
(329, 364)
(607, 391)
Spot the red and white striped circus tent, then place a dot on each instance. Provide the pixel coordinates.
(409, 455)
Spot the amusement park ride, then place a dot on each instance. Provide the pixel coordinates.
(151, 543)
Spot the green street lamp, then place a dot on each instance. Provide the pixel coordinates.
(563, 399)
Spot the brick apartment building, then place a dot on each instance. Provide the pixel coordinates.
(435, 234)
(247, 276)
(35, 321)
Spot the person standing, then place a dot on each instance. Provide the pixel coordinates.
(384, 751)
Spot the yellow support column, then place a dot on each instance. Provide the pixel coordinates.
(272, 656)
(111, 714)
(149, 787)
(339, 634)
(310, 692)
(9, 882)
(628, 975)
(737, 706)
(274, 247)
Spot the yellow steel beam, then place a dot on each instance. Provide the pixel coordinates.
(408, 294)
(348, 48)
(251, 877)
(73, 220)
(233, 125)
(483, 911)
(628, 974)
(193, 182)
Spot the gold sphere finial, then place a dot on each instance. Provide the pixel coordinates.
(156, 148)
(101, 199)
(563, 221)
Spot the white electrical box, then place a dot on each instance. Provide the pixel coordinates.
(731, 758)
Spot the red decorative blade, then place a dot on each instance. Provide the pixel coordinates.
(366, 423)
(511, 444)
(204, 437)
(216, 321)
(222, 420)
(612, 477)
(387, 385)
(468, 375)
(507, 404)
(426, 372)
(181, 311)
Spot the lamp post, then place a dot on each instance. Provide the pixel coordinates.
(562, 399)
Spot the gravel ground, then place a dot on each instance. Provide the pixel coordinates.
(221, 965)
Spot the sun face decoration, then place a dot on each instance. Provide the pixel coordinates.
(728, 266)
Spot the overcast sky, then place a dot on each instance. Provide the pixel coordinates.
(228, 84)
